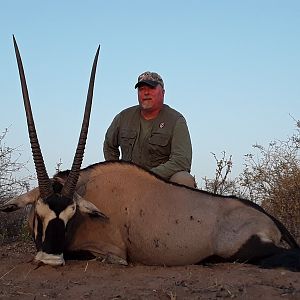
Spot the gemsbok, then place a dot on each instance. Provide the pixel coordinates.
(121, 212)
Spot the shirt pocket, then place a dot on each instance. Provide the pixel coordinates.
(127, 140)
(159, 145)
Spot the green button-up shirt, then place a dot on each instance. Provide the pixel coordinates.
(162, 145)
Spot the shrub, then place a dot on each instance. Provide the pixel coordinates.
(221, 184)
(272, 178)
(10, 186)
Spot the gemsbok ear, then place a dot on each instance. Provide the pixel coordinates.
(21, 201)
(87, 207)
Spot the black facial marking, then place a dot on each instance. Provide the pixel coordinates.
(39, 235)
(58, 203)
(57, 187)
(54, 237)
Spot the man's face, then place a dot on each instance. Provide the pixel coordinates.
(150, 98)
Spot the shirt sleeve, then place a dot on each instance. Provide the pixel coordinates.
(111, 145)
(181, 152)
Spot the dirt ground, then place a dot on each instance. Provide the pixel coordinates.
(20, 279)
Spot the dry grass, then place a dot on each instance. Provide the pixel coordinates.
(14, 227)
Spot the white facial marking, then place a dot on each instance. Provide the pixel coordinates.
(35, 227)
(50, 259)
(46, 215)
(68, 213)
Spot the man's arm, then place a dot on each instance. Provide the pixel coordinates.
(111, 146)
(181, 152)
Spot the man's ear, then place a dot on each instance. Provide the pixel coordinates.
(87, 207)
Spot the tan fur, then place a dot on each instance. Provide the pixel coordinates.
(154, 222)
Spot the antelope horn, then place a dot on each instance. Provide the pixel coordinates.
(44, 182)
(70, 185)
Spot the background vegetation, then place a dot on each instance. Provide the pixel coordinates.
(270, 177)
(12, 226)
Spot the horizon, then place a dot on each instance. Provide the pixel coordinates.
(231, 68)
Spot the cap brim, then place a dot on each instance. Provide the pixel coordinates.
(146, 82)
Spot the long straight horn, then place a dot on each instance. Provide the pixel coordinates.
(44, 182)
(70, 185)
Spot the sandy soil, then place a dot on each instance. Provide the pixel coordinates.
(20, 279)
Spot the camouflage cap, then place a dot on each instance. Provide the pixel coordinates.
(149, 78)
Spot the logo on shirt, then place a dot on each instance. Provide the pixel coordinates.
(162, 125)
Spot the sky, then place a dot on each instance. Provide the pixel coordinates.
(232, 68)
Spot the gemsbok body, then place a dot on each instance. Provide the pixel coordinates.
(123, 213)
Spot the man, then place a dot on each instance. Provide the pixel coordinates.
(152, 134)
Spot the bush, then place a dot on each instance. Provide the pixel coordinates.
(270, 178)
(221, 184)
(10, 185)
(273, 180)
(13, 227)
